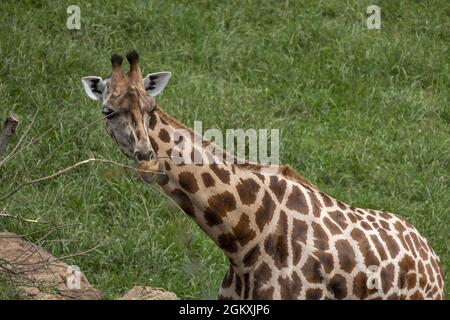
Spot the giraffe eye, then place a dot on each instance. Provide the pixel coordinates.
(108, 112)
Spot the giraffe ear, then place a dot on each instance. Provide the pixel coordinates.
(94, 87)
(154, 83)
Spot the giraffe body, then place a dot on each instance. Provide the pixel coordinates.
(284, 238)
(287, 240)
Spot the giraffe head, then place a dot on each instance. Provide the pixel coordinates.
(128, 102)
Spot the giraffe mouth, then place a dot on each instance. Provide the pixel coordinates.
(147, 169)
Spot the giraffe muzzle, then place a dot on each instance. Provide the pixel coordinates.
(144, 155)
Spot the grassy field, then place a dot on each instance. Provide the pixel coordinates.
(364, 114)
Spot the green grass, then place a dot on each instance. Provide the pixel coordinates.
(364, 114)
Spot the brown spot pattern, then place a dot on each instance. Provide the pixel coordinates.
(365, 248)
(238, 287)
(155, 146)
(331, 226)
(188, 182)
(381, 252)
(387, 277)
(406, 265)
(278, 187)
(391, 244)
(261, 276)
(212, 218)
(183, 201)
(326, 200)
(297, 201)
(320, 237)
(366, 226)
(228, 279)
(208, 180)
(252, 256)
(276, 244)
(164, 136)
(316, 207)
(384, 215)
(346, 255)
(167, 166)
(327, 261)
(152, 123)
(299, 233)
(312, 270)
(314, 294)
(265, 212)
(247, 190)
(360, 289)
(222, 203)
(243, 231)
(221, 173)
(246, 285)
(339, 218)
(341, 205)
(227, 242)
(338, 287)
(290, 289)
(385, 225)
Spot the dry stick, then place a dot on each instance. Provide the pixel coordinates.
(9, 128)
(9, 156)
(7, 215)
(83, 253)
(56, 174)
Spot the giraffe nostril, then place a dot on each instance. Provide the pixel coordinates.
(139, 155)
(145, 155)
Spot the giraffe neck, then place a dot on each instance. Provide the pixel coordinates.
(285, 238)
(221, 198)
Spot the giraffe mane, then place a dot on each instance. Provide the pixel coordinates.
(284, 170)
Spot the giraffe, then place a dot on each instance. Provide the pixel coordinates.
(284, 238)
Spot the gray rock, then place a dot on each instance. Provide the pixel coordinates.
(39, 274)
(147, 293)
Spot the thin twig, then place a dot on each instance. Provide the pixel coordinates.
(83, 253)
(7, 215)
(60, 172)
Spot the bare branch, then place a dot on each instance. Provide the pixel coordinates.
(83, 253)
(65, 170)
(7, 215)
(11, 123)
(9, 156)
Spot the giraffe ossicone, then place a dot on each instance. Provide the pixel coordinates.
(285, 239)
